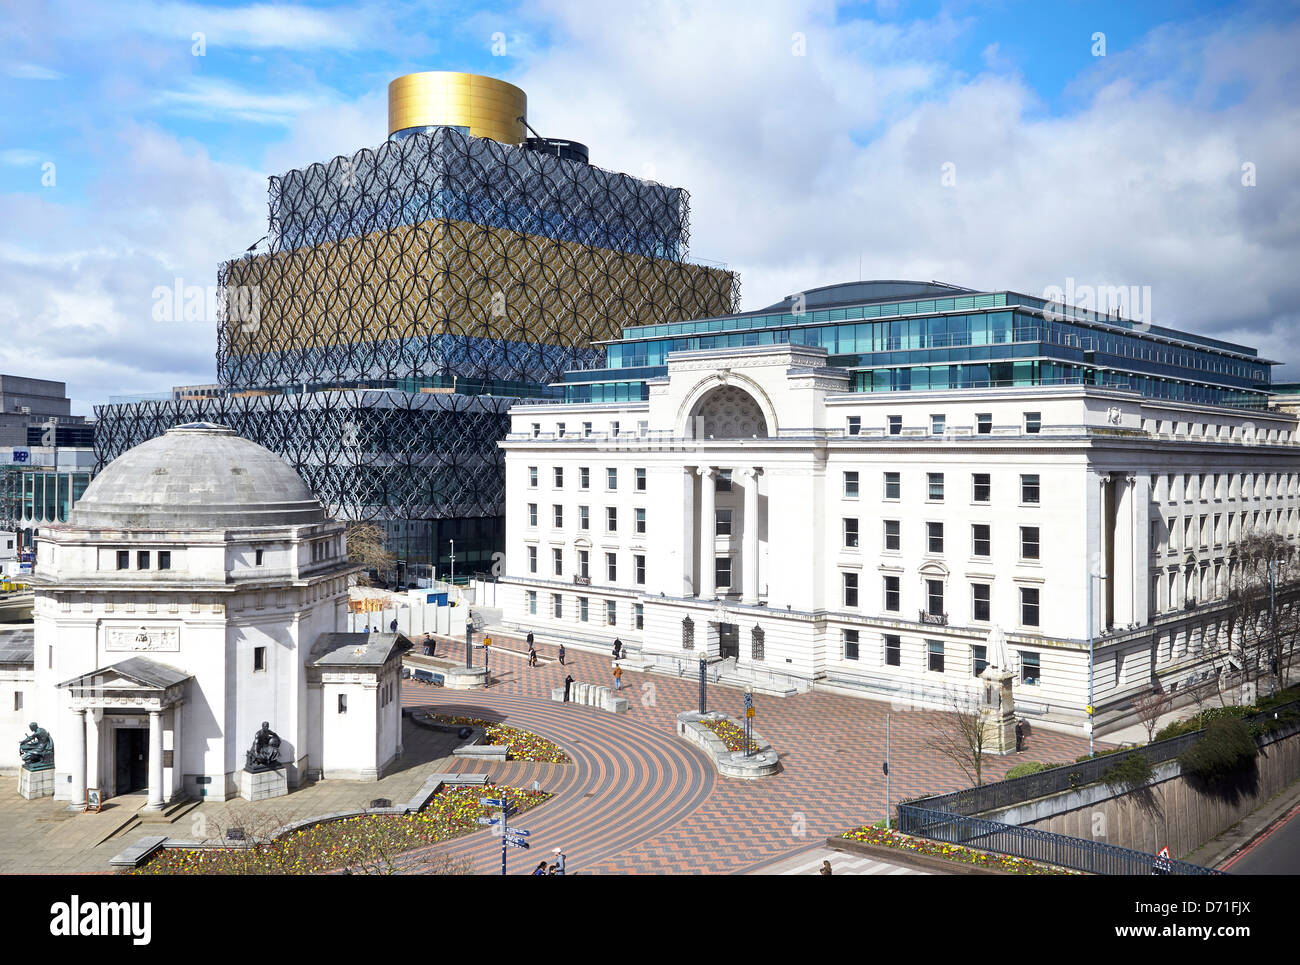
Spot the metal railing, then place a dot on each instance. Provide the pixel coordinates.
(1043, 847)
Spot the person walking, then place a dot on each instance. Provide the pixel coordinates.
(428, 645)
(561, 655)
(559, 861)
(530, 639)
(568, 682)
(825, 868)
(532, 656)
(618, 647)
(1020, 735)
(618, 678)
(392, 627)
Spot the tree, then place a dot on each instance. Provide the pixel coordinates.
(959, 735)
(1264, 584)
(1148, 708)
(367, 545)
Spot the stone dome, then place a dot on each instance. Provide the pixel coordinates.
(194, 477)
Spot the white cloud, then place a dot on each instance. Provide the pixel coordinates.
(31, 72)
(20, 157)
(257, 25)
(213, 99)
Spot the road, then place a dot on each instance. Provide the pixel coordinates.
(1275, 852)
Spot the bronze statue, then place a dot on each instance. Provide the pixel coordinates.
(37, 749)
(264, 755)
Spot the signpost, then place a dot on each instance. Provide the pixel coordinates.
(704, 686)
(510, 837)
(1164, 863)
(749, 722)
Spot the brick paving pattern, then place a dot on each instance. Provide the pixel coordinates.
(638, 799)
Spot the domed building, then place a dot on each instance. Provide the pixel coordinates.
(198, 590)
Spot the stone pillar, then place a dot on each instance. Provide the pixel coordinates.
(749, 556)
(1123, 575)
(78, 751)
(178, 768)
(707, 530)
(155, 802)
(688, 584)
(998, 711)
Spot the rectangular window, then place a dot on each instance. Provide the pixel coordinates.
(937, 425)
(584, 563)
(611, 567)
(123, 559)
(893, 485)
(722, 522)
(1030, 672)
(611, 519)
(611, 479)
(895, 425)
(893, 650)
(850, 589)
(613, 429)
(18, 700)
(934, 537)
(850, 532)
(532, 514)
(537, 429)
(1029, 542)
(638, 523)
(557, 605)
(934, 656)
(343, 703)
(934, 597)
(584, 517)
(611, 613)
(557, 561)
(722, 572)
(1029, 606)
(532, 602)
(532, 559)
(855, 425)
(586, 430)
(983, 423)
(722, 481)
(850, 644)
(934, 486)
(557, 516)
(583, 609)
(981, 609)
(532, 477)
(142, 560)
(893, 537)
(979, 658)
(1029, 488)
(259, 659)
(559, 477)
(1034, 422)
(640, 480)
(981, 487)
(850, 485)
(584, 477)
(164, 559)
(642, 428)
(981, 539)
(638, 616)
(892, 598)
(258, 558)
(638, 562)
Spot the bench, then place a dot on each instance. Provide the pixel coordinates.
(427, 677)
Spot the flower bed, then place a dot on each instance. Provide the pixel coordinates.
(367, 842)
(951, 852)
(730, 734)
(523, 746)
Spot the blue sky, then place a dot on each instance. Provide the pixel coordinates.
(1117, 169)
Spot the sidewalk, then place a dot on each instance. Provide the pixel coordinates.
(1215, 852)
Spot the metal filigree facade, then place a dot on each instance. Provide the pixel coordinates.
(408, 295)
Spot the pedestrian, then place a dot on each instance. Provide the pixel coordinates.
(530, 638)
(366, 630)
(559, 861)
(392, 627)
(618, 647)
(826, 868)
(532, 657)
(561, 655)
(433, 645)
(540, 869)
(568, 682)
(618, 678)
(1020, 735)
(428, 645)
(550, 869)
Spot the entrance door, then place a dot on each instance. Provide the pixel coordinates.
(728, 640)
(132, 760)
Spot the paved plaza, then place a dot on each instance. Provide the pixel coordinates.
(635, 799)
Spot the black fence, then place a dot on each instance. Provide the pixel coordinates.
(1002, 794)
(1041, 847)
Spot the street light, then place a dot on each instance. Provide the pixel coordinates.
(1091, 707)
(452, 581)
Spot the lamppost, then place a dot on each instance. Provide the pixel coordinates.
(1091, 709)
(452, 581)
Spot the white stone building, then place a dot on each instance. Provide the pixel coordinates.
(754, 509)
(197, 590)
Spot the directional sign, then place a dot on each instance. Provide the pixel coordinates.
(490, 802)
(517, 843)
(517, 831)
(489, 820)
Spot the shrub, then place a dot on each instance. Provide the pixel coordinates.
(1202, 720)
(1224, 752)
(1130, 773)
(1030, 767)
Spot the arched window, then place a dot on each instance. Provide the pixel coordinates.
(688, 634)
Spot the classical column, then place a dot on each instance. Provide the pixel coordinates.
(708, 531)
(749, 556)
(178, 766)
(155, 802)
(687, 535)
(78, 751)
(1123, 573)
